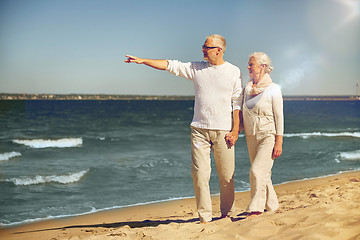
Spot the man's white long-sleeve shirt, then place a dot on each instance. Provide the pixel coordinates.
(217, 92)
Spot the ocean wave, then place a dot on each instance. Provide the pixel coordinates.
(354, 155)
(8, 155)
(46, 143)
(319, 134)
(63, 179)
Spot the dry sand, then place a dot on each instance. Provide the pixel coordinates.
(323, 208)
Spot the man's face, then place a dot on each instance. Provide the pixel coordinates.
(210, 50)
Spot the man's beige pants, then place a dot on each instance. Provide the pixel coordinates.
(202, 141)
(263, 195)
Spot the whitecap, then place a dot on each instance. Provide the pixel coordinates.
(320, 134)
(8, 155)
(46, 143)
(63, 179)
(354, 155)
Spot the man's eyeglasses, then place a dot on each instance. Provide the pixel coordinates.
(207, 48)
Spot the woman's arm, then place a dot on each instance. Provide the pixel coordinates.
(279, 122)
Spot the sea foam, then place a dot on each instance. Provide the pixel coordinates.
(354, 155)
(319, 134)
(46, 143)
(8, 155)
(63, 179)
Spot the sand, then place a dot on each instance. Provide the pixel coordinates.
(323, 208)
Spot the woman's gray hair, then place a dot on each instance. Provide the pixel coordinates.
(262, 58)
(219, 40)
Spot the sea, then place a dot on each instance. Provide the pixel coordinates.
(73, 157)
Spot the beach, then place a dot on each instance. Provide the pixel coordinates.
(121, 170)
(320, 208)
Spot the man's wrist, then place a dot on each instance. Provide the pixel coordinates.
(235, 130)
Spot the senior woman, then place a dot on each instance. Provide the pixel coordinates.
(263, 121)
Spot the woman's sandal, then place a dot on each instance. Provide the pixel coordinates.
(253, 214)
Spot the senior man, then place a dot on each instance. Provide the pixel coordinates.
(217, 85)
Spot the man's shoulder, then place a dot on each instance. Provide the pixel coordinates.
(232, 65)
(199, 65)
(232, 68)
(192, 63)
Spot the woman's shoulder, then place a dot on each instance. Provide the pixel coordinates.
(274, 89)
(275, 86)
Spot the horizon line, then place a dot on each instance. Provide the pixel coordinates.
(74, 96)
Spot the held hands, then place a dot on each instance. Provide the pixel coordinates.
(231, 138)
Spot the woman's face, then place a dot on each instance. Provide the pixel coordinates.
(254, 68)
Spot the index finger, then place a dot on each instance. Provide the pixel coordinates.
(129, 56)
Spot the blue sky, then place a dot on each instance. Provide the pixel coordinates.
(78, 46)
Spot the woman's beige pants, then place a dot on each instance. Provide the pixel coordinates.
(202, 141)
(263, 195)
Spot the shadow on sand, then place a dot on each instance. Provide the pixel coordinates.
(136, 224)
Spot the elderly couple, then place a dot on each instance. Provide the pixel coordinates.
(222, 110)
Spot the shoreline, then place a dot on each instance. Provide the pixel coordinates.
(31, 221)
(115, 208)
(329, 204)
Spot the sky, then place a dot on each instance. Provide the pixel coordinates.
(79, 46)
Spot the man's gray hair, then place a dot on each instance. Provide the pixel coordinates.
(219, 40)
